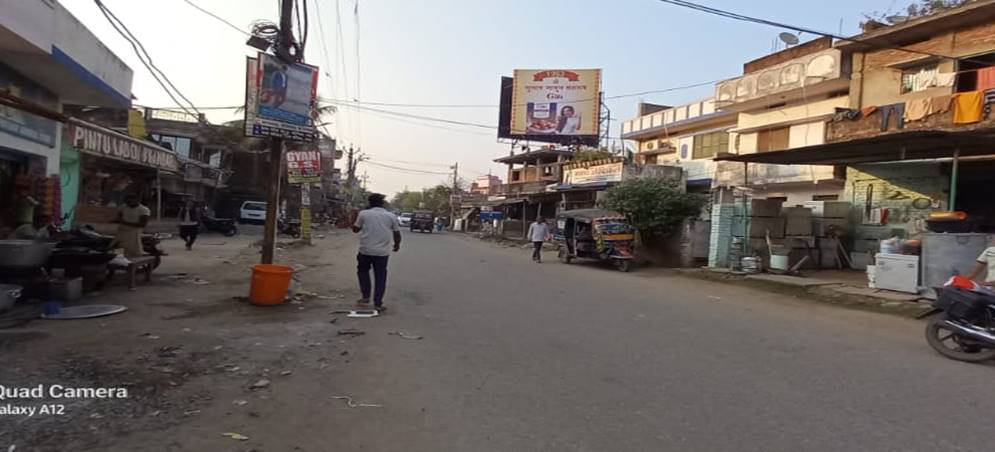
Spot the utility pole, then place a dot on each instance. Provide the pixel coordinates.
(284, 44)
(454, 198)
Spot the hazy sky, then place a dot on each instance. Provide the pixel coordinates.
(454, 52)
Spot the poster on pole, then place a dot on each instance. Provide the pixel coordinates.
(554, 105)
(280, 99)
(304, 167)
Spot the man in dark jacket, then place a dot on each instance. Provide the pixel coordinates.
(189, 222)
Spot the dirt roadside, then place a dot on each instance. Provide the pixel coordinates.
(194, 357)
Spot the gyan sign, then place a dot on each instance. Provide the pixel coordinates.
(303, 166)
(107, 143)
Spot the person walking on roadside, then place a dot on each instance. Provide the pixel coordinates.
(376, 227)
(132, 220)
(189, 222)
(538, 231)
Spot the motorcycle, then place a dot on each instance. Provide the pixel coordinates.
(966, 329)
(291, 227)
(225, 226)
(86, 236)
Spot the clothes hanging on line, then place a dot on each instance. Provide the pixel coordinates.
(869, 110)
(918, 109)
(897, 110)
(843, 114)
(988, 100)
(946, 79)
(986, 79)
(968, 107)
(940, 104)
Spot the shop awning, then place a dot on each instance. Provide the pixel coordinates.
(914, 145)
(103, 142)
(584, 186)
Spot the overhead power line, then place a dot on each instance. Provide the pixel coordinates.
(218, 18)
(873, 42)
(407, 170)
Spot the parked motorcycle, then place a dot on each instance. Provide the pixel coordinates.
(965, 331)
(86, 236)
(291, 227)
(225, 226)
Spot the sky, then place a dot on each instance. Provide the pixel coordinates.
(454, 52)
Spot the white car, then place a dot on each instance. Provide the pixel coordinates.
(405, 219)
(252, 211)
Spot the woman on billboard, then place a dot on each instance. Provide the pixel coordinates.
(569, 121)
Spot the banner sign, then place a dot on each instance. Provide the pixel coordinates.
(303, 166)
(280, 99)
(560, 103)
(611, 172)
(102, 142)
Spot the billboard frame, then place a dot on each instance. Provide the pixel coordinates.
(504, 122)
(257, 125)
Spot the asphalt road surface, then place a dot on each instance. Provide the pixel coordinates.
(518, 356)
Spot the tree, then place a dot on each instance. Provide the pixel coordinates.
(435, 199)
(918, 8)
(654, 205)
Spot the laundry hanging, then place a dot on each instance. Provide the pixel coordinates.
(918, 109)
(968, 107)
(986, 78)
(940, 104)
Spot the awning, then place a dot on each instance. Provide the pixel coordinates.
(915, 145)
(585, 186)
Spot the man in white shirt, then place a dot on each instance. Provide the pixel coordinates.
(985, 266)
(376, 227)
(538, 231)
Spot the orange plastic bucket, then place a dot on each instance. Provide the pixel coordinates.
(269, 284)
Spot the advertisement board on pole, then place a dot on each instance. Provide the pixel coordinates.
(303, 166)
(609, 172)
(280, 99)
(552, 105)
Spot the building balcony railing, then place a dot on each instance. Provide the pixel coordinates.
(801, 77)
(526, 187)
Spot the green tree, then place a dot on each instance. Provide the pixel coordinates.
(654, 205)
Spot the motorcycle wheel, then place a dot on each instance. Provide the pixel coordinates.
(623, 265)
(949, 344)
(158, 260)
(231, 232)
(564, 257)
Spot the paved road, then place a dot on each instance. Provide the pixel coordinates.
(521, 357)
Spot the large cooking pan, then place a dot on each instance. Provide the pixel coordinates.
(24, 254)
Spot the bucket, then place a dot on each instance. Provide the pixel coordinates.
(269, 284)
(778, 262)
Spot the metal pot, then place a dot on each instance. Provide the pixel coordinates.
(9, 293)
(24, 254)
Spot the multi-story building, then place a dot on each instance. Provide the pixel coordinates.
(486, 185)
(689, 135)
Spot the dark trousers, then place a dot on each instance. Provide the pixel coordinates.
(537, 251)
(897, 110)
(379, 266)
(189, 233)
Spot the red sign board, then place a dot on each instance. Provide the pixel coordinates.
(303, 166)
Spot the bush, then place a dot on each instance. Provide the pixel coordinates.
(654, 205)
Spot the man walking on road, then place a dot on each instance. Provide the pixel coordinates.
(538, 231)
(376, 226)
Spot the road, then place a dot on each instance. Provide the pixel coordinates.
(518, 356)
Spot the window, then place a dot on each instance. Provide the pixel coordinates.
(710, 144)
(773, 139)
(825, 197)
(919, 78)
(179, 144)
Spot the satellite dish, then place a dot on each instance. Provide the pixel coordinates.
(896, 19)
(788, 38)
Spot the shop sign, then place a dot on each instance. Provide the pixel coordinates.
(303, 167)
(280, 99)
(611, 172)
(21, 123)
(106, 143)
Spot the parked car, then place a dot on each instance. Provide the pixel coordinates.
(252, 211)
(405, 219)
(422, 221)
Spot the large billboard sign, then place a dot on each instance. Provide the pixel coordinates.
(280, 99)
(552, 105)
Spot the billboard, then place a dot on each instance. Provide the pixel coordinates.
(609, 172)
(303, 166)
(552, 105)
(280, 99)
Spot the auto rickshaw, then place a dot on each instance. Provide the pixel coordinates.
(595, 234)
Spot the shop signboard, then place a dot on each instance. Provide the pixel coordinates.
(552, 105)
(95, 140)
(609, 172)
(303, 166)
(21, 123)
(280, 99)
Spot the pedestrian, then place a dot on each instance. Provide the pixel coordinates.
(376, 227)
(439, 224)
(538, 232)
(132, 219)
(189, 222)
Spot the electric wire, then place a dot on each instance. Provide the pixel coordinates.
(219, 18)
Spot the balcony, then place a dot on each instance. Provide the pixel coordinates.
(514, 189)
(807, 76)
(676, 120)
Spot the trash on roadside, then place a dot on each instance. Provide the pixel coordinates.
(333, 320)
(85, 312)
(356, 405)
(240, 402)
(191, 412)
(351, 332)
(235, 436)
(408, 336)
(150, 336)
(359, 314)
(286, 373)
(263, 383)
(168, 351)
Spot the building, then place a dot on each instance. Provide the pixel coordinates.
(783, 101)
(47, 59)
(486, 185)
(528, 190)
(689, 135)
